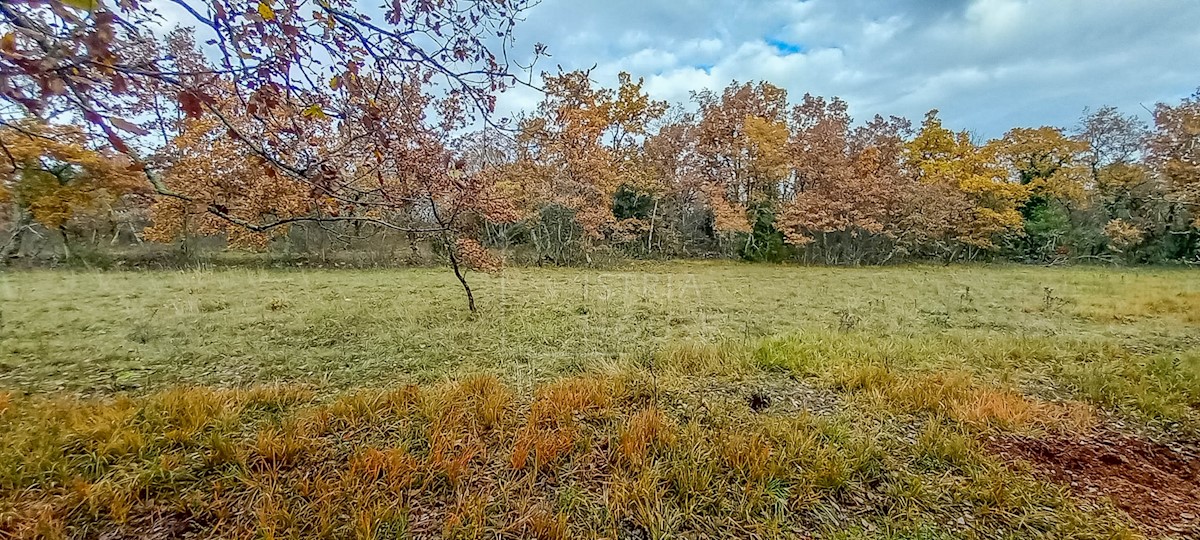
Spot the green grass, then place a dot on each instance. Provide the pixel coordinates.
(578, 403)
(1098, 333)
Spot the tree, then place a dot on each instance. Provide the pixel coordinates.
(279, 66)
(1174, 152)
(1125, 197)
(1133, 199)
(1111, 138)
(847, 183)
(1174, 149)
(50, 176)
(1044, 159)
(938, 156)
(741, 170)
(1054, 169)
(564, 145)
(677, 176)
(582, 148)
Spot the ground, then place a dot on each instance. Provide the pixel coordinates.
(677, 400)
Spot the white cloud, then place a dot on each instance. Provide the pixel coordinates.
(649, 61)
(988, 65)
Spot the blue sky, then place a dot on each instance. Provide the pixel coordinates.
(988, 65)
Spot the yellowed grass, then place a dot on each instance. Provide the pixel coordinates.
(957, 395)
(646, 431)
(1182, 306)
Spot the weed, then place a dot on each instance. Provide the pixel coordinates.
(847, 319)
(1051, 302)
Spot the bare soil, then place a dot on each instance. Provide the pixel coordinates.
(770, 394)
(1157, 485)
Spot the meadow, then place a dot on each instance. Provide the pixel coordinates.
(657, 400)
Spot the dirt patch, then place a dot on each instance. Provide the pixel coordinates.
(767, 394)
(1157, 485)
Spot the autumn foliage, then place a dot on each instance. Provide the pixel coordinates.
(311, 114)
(751, 174)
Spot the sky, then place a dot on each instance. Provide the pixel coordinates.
(987, 65)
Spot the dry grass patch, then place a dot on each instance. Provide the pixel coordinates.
(588, 457)
(646, 431)
(555, 425)
(1180, 305)
(693, 358)
(958, 396)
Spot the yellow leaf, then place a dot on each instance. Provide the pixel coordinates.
(266, 11)
(86, 5)
(314, 111)
(335, 82)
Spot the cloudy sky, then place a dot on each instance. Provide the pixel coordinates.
(988, 65)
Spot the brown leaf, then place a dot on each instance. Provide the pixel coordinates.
(116, 142)
(191, 104)
(126, 125)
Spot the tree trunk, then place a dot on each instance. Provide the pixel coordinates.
(186, 237)
(412, 246)
(450, 251)
(650, 237)
(12, 247)
(66, 243)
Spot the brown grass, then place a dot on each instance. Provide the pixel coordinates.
(748, 455)
(645, 431)
(554, 425)
(957, 395)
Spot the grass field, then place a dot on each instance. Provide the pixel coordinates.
(657, 401)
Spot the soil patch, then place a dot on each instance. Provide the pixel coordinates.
(1157, 485)
(774, 395)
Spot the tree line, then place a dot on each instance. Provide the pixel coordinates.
(748, 173)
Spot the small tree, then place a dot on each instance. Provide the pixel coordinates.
(1055, 170)
(295, 86)
(578, 150)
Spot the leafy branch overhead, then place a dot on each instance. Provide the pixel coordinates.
(296, 112)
